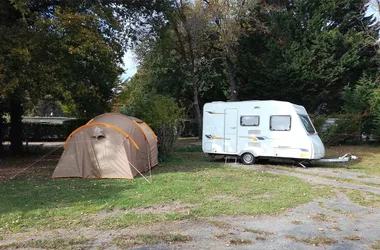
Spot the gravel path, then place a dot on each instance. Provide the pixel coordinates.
(314, 179)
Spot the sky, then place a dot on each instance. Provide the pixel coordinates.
(130, 65)
(130, 62)
(373, 9)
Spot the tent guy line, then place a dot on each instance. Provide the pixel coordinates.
(43, 157)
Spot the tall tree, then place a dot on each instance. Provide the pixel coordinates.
(310, 54)
(231, 20)
(189, 25)
(69, 49)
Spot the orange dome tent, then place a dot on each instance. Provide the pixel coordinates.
(111, 145)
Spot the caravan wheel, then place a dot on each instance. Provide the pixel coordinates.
(248, 158)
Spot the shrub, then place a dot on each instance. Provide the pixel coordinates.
(70, 125)
(162, 114)
(364, 100)
(346, 129)
(43, 132)
(318, 122)
(33, 131)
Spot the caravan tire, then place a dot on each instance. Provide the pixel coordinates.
(248, 158)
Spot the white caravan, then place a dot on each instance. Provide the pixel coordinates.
(260, 129)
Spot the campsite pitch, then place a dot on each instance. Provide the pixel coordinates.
(194, 203)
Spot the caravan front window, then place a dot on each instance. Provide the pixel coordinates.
(280, 122)
(307, 124)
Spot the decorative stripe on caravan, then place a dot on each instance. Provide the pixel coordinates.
(214, 137)
(215, 113)
(253, 138)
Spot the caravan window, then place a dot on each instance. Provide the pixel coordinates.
(249, 120)
(280, 122)
(307, 124)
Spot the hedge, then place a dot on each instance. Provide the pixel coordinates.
(45, 131)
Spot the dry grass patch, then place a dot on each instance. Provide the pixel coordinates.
(345, 213)
(219, 224)
(127, 241)
(59, 243)
(363, 198)
(236, 241)
(315, 241)
(220, 235)
(297, 222)
(335, 228)
(260, 238)
(176, 207)
(375, 246)
(321, 217)
(353, 237)
(255, 231)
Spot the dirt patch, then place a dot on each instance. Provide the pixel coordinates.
(313, 179)
(176, 207)
(44, 170)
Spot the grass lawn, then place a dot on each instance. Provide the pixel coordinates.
(369, 158)
(186, 186)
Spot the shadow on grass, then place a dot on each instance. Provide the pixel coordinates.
(26, 195)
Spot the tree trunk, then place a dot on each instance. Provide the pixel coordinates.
(2, 126)
(2, 151)
(198, 114)
(16, 126)
(231, 80)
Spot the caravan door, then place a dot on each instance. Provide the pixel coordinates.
(230, 130)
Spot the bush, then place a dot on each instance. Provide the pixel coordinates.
(70, 125)
(318, 122)
(364, 99)
(162, 114)
(344, 130)
(45, 131)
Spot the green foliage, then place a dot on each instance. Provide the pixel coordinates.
(161, 112)
(164, 70)
(43, 132)
(312, 51)
(70, 125)
(46, 132)
(346, 129)
(68, 49)
(364, 100)
(318, 122)
(48, 106)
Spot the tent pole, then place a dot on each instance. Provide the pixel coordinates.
(150, 168)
